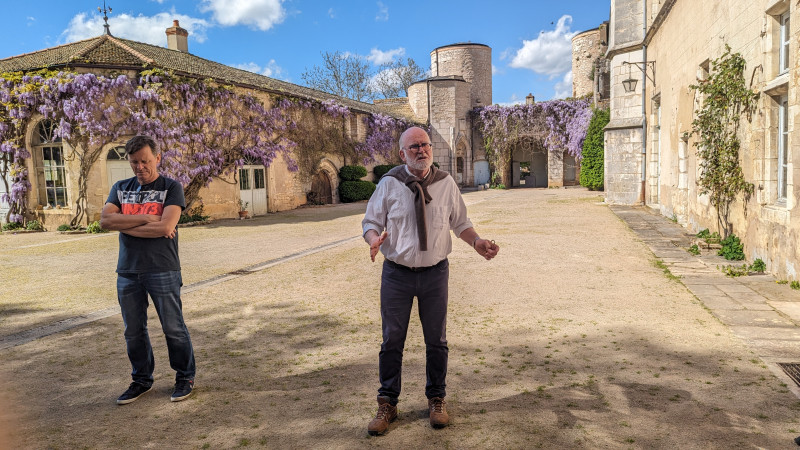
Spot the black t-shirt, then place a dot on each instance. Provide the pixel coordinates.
(141, 255)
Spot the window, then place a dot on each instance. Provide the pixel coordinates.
(783, 145)
(51, 176)
(783, 63)
(244, 179)
(258, 178)
(117, 154)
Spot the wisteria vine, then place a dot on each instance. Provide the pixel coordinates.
(557, 125)
(206, 130)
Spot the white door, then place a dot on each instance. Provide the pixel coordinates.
(117, 166)
(253, 188)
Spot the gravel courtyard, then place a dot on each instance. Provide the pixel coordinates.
(571, 338)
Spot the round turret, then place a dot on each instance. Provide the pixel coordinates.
(471, 61)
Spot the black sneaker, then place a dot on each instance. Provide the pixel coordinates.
(183, 389)
(135, 390)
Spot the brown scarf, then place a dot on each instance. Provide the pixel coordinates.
(421, 196)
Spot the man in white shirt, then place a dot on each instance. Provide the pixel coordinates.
(409, 218)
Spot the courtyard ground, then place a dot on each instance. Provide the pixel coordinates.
(573, 337)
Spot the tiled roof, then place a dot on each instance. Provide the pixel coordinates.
(396, 107)
(112, 52)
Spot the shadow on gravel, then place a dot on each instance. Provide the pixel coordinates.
(283, 375)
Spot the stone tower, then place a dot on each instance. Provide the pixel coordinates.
(461, 79)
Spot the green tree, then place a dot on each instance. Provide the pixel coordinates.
(593, 152)
(725, 99)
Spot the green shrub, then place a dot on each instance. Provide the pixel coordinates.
(352, 173)
(694, 249)
(64, 227)
(732, 248)
(711, 238)
(34, 225)
(353, 191)
(734, 271)
(795, 285)
(436, 164)
(380, 170)
(94, 227)
(11, 226)
(592, 162)
(758, 266)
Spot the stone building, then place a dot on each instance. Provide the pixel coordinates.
(590, 75)
(668, 45)
(266, 189)
(461, 79)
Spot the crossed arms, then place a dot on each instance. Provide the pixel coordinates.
(141, 225)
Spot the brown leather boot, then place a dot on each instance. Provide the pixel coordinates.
(439, 416)
(386, 414)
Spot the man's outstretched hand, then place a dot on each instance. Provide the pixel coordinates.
(375, 246)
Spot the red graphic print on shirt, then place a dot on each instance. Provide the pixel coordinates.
(142, 202)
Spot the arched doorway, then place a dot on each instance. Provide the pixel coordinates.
(321, 192)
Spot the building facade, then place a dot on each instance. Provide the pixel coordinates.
(667, 46)
(53, 173)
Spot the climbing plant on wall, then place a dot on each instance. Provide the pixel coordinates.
(205, 129)
(592, 161)
(558, 125)
(726, 99)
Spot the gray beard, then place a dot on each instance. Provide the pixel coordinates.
(419, 165)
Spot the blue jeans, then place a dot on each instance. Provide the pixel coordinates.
(399, 286)
(165, 291)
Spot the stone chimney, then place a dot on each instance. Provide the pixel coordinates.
(177, 38)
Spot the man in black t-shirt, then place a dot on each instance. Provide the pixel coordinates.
(145, 210)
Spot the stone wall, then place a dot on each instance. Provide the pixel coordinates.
(587, 47)
(473, 62)
(684, 38)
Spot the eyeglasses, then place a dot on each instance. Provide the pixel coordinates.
(417, 147)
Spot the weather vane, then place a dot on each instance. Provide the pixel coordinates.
(105, 12)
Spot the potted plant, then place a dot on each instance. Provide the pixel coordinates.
(243, 209)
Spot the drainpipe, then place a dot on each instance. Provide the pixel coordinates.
(644, 97)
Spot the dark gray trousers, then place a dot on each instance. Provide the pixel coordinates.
(399, 286)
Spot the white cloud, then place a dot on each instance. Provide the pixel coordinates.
(272, 69)
(331, 13)
(261, 14)
(157, 1)
(149, 29)
(550, 53)
(383, 13)
(495, 70)
(31, 20)
(564, 87)
(379, 57)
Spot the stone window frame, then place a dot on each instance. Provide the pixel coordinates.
(782, 149)
(776, 26)
(774, 189)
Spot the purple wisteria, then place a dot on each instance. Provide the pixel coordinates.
(557, 125)
(382, 134)
(206, 130)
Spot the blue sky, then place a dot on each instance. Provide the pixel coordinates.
(530, 39)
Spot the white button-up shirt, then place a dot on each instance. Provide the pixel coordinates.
(391, 208)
